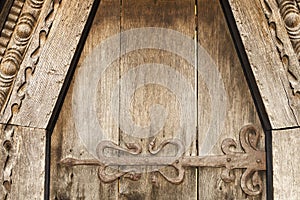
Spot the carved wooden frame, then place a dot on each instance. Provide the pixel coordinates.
(29, 43)
(32, 29)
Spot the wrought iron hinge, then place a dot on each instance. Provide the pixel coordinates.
(251, 159)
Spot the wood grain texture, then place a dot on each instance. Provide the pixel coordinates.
(44, 68)
(43, 73)
(17, 45)
(286, 168)
(214, 36)
(82, 182)
(178, 16)
(70, 182)
(269, 72)
(22, 162)
(65, 142)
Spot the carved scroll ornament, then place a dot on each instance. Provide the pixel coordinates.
(22, 35)
(284, 22)
(18, 43)
(289, 11)
(251, 159)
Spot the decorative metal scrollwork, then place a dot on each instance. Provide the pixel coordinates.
(251, 159)
(254, 161)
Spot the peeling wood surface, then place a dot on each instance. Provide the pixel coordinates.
(43, 70)
(270, 74)
(22, 162)
(286, 168)
(214, 36)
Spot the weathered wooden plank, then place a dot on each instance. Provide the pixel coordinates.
(38, 94)
(286, 168)
(270, 75)
(153, 66)
(82, 182)
(235, 107)
(46, 62)
(22, 162)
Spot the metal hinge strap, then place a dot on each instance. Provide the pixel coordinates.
(251, 159)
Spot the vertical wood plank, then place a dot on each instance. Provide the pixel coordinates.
(214, 36)
(286, 168)
(82, 182)
(22, 162)
(178, 16)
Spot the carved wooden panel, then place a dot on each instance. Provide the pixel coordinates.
(283, 20)
(33, 32)
(190, 72)
(32, 73)
(275, 70)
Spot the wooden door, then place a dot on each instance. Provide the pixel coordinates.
(159, 92)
